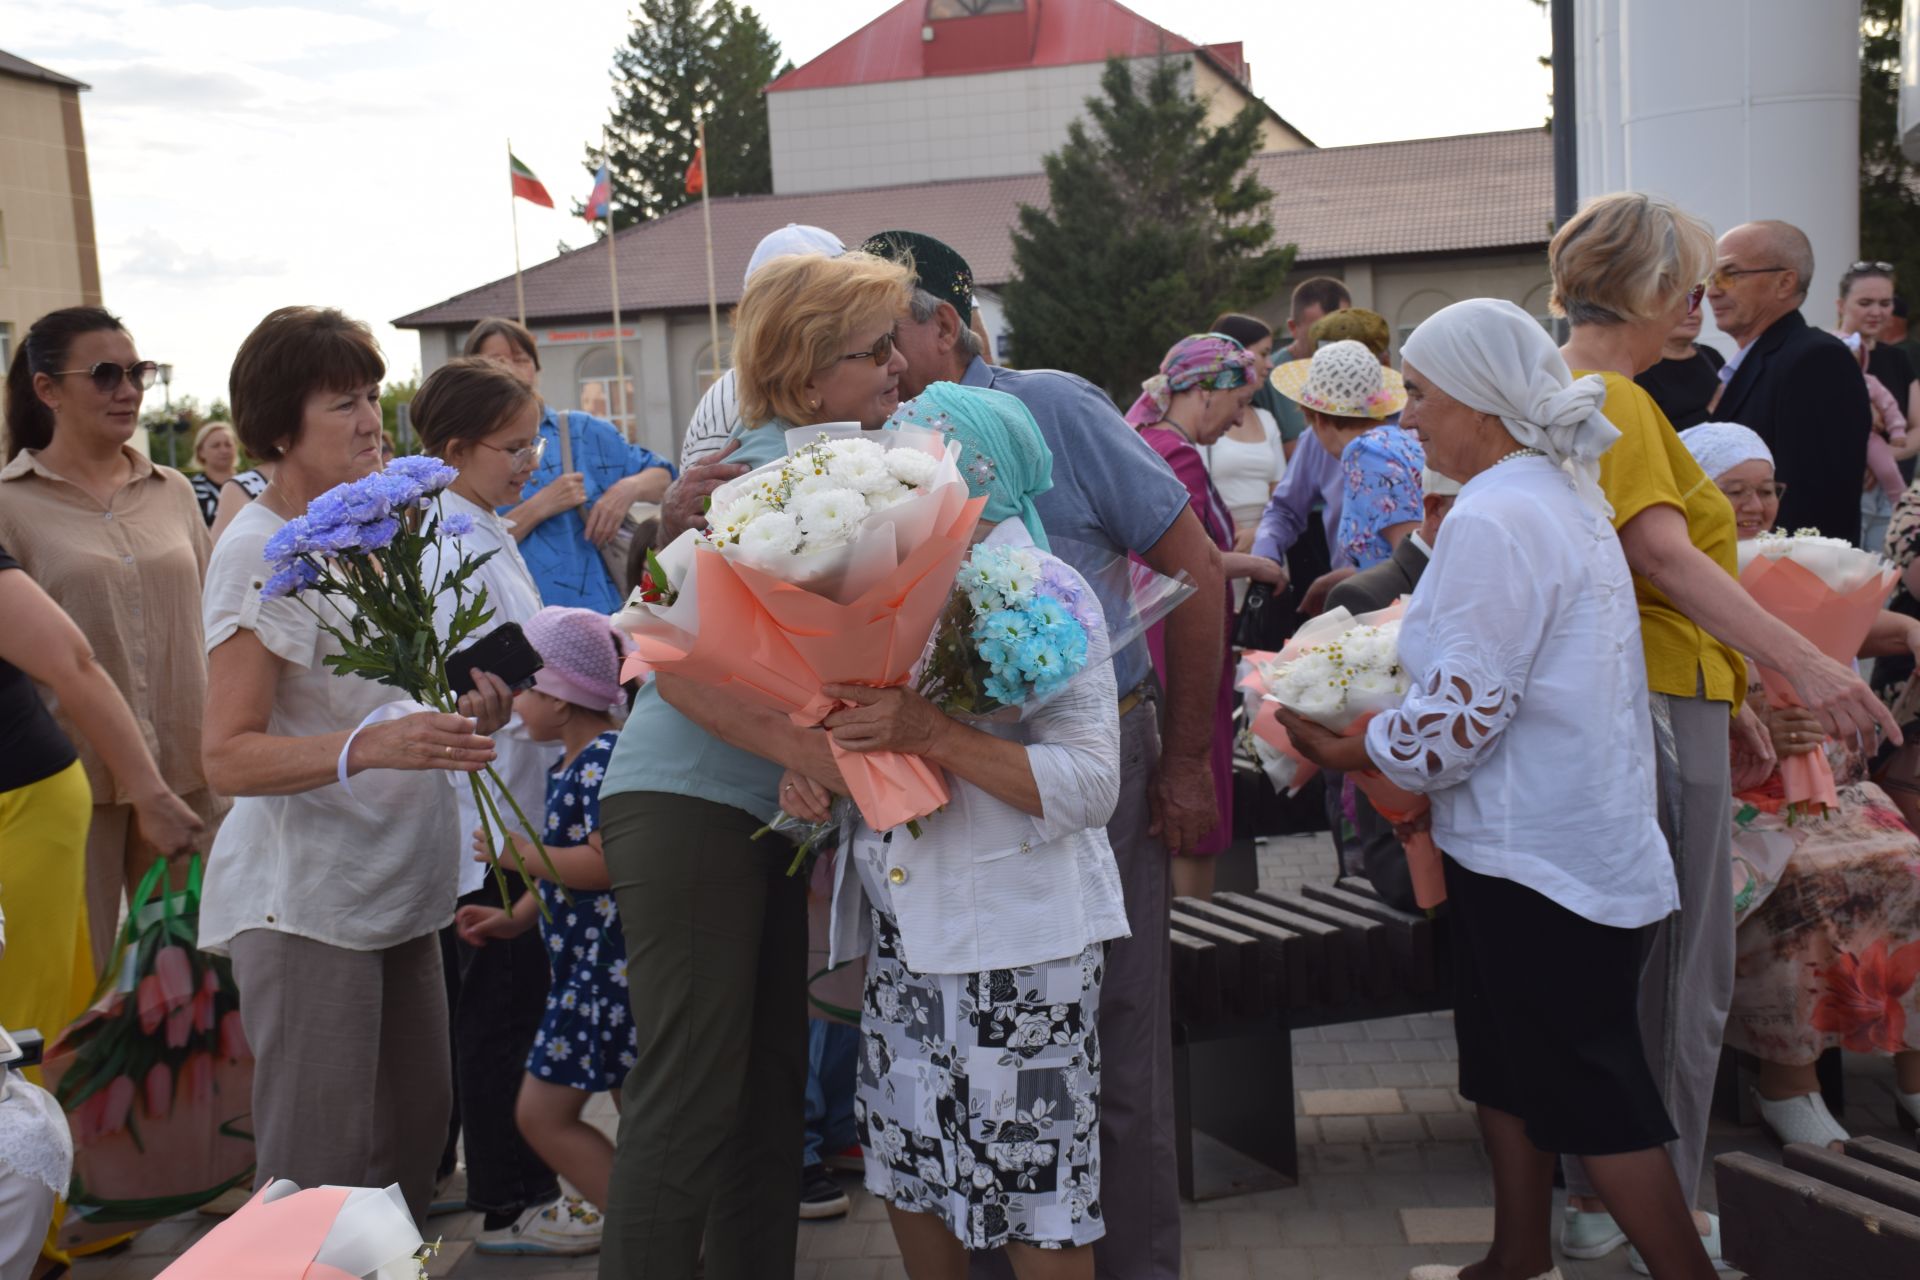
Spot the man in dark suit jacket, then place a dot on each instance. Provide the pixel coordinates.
(1800, 389)
(1375, 853)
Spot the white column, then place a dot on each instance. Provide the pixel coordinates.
(651, 357)
(1736, 110)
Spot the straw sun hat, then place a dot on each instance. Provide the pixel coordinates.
(1343, 380)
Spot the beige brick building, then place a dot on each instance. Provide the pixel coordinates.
(47, 254)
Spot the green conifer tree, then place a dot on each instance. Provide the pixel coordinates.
(1155, 224)
(687, 60)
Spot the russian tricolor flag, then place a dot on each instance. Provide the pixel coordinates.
(600, 203)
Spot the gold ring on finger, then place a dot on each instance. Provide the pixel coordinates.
(449, 753)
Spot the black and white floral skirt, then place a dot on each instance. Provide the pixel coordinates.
(979, 1095)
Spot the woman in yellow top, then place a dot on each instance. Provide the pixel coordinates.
(1626, 270)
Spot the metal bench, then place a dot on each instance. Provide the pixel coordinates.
(1249, 968)
(1822, 1214)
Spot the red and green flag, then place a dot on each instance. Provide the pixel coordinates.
(525, 185)
(697, 171)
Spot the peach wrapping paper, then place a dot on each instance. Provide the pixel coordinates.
(741, 629)
(1837, 623)
(322, 1233)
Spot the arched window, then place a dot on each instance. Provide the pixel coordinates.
(596, 392)
(703, 375)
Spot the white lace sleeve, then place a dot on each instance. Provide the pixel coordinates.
(1481, 616)
(1438, 735)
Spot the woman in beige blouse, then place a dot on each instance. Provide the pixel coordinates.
(120, 544)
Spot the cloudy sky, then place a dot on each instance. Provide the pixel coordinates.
(248, 154)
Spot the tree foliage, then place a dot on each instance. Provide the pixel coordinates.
(1889, 182)
(1155, 224)
(686, 61)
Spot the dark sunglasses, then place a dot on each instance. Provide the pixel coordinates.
(1885, 268)
(881, 353)
(107, 375)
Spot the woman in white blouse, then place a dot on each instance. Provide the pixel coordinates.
(1528, 728)
(983, 935)
(481, 419)
(1248, 460)
(329, 902)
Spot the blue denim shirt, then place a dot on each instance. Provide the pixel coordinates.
(566, 567)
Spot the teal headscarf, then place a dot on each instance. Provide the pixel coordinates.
(1002, 454)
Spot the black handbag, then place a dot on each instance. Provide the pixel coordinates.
(1268, 618)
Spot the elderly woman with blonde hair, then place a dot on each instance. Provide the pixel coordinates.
(1626, 269)
(716, 931)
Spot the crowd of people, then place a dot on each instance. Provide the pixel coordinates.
(1585, 718)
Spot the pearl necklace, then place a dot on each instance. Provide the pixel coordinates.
(1528, 452)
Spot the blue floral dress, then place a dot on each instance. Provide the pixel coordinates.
(587, 1040)
(1382, 473)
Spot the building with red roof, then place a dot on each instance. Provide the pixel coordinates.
(942, 89)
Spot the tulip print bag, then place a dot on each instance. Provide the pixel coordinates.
(156, 1077)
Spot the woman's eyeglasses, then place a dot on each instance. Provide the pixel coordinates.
(107, 375)
(1694, 295)
(881, 352)
(1772, 491)
(527, 457)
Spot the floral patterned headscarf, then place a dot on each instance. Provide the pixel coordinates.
(1199, 360)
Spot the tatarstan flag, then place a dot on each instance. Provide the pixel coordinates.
(525, 185)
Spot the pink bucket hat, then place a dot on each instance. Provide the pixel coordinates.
(582, 653)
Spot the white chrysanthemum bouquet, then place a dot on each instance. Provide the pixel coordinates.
(1340, 671)
(801, 517)
(829, 566)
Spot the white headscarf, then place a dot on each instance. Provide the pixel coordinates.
(1492, 356)
(1719, 447)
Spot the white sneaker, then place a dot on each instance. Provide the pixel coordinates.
(566, 1228)
(1711, 1242)
(1589, 1235)
(1439, 1271)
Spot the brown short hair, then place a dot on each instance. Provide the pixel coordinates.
(796, 318)
(501, 327)
(291, 354)
(467, 398)
(1625, 257)
(1323, 292)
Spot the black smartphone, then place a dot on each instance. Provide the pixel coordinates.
(504, 651)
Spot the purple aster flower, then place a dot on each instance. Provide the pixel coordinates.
(457, 525)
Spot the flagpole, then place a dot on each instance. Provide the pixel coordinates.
(513, 203)
(619, 397)
(706, 220)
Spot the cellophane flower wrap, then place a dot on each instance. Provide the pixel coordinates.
(1340, 671)
(829, 566)
(1830, 592)
(363, 549)
(321, 1233)
(156, 1078)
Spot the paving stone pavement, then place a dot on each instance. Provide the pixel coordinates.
(1392, 1170)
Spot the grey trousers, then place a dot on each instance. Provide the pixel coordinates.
(711, 1114)
(1687, 986)
(351, 1084)
(1139, 1183)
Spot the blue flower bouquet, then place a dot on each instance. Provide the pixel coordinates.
(1015, 631)
(364, 545)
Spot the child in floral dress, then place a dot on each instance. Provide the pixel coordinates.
(586, 1042)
